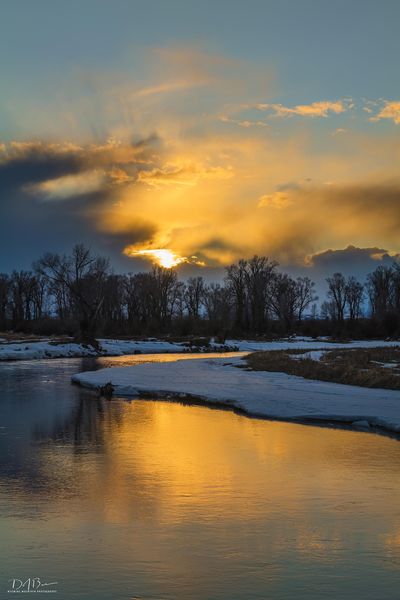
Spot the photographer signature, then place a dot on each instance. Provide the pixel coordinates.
(32, 584)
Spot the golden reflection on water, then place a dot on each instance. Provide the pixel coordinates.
(172, 486)
(137, 359)
(169, 460)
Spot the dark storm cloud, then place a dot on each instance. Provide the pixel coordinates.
(23, 163)
(34, 164)
(351, 259)
(34, 220)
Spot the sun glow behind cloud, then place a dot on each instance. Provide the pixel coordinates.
(160, 256)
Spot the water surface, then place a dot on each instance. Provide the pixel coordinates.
(121, 499)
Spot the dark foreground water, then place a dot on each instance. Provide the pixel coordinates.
(119, 500)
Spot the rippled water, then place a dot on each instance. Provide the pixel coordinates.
(152, 500)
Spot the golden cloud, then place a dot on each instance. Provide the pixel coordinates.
(314, 109)
(391, 110)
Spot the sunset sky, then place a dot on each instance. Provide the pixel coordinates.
(207, 130)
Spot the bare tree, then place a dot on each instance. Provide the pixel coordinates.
(260, 274)
(305, 295)
(284, 299)
(39, 295)
(4, 299)
(250, 282)
(194, 296)
(328, 310)
(113, 310)
(337, 294)
(236, 280)
(354, 297)
(139, 299)
(22, 294)
(84, 276)
(396, 287)
(379, 287)
(218, 304)
(165, 293)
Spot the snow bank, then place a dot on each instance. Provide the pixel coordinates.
(43, 349)
(153, 346)
(264, 394)
(47, 349)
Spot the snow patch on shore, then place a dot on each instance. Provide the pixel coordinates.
(48, 348)
(257, 393)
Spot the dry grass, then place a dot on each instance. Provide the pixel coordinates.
(363, 367)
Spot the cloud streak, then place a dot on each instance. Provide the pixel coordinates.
(320, 109)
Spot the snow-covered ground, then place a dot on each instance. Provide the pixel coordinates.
(47, 348)
(43, 349)
(22, 350)
(257, 393)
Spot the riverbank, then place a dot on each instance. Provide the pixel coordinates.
(25, 349)
(53, 348)
(364, 367)
(260, 394)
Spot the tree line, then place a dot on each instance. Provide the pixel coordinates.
(80, 295)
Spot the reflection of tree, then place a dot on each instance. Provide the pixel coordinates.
(38, 467)
(87, 426)
(82, 428)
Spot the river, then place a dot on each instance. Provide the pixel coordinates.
(149, 500)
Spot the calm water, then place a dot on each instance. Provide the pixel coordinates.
(147, 500)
